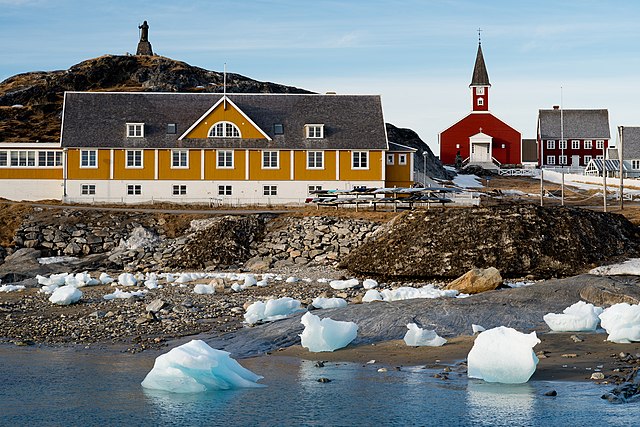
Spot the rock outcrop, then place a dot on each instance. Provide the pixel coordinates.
(524, 240)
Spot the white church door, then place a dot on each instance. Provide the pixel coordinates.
(480, 153)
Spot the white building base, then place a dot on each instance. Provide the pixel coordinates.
(31, 189)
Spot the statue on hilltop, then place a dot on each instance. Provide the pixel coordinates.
(144, 47)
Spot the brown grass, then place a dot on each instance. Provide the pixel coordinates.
(10, 219)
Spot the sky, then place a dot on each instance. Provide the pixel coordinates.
(418, 55)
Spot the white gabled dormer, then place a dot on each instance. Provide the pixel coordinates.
(314, 131)
(135, 130)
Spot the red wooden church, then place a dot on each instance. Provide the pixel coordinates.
(480, 137)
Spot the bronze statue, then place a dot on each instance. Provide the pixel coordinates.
(144, 47)
(144, 33)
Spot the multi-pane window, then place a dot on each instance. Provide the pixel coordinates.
(225, 159)
(562, 144)
(359, 160)
(224, 190)
(315, 159)
(587, 159)
(270, 190)
(402, 159)
(599, 144)
(551, 144)
(48, 158)
(134, 189)
(588, 144)
(134, 158)
(562, 159)
(179, 190)
(23, 158)
(480, 101)
(315, 188)
(4, 158)
(390, 159)
(575, 144)
(269, 160)
(600, 157)
(635, 164)
(315, 131)
(551, 160)
(88, 158)
(224, 130)
(88, 189)
(135, 130)
(179, 158)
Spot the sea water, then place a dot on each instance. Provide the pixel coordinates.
(45, 386)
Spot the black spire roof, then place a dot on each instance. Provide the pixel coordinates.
(480, 76)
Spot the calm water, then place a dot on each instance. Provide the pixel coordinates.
(65, 387)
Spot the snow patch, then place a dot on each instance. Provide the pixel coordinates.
(56, 259)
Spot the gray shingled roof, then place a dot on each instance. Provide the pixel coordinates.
(578, 124)
(480, 76)
(399, 147)
(631, 142)
(98, 119)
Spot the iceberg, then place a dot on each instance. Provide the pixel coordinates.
(195, 367)
(320, 302)
(579, 317)
(622, 323)
(204, 289)
(417, 337)
(65, 295)
(326, 334)
(344, 284)
(503, 355)
(274, 309)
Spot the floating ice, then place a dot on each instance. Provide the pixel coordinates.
(127, 279)
(204, 289)
(428, 291)
(195, 367)
(65, 295)
(371, 295)
(622, 322)
(320, 302)
(630, 267)
(477, 328)
(11, 288)
(369, 284)
(416, 336)
(344, 284)
(580, 317)
(503, 355)
(118, 294)
(105, 279)
(326, 334)
(274, 309)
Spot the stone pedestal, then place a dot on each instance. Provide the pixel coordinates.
(144, 48)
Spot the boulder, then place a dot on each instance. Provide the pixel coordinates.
(477, 280)
(602, 297)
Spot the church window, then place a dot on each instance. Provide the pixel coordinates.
(224, 130)
(479, 91)
(480, 101)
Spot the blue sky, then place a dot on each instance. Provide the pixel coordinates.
(418, 55)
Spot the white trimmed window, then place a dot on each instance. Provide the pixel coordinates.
(134, 159)
(179, 190)
(224, 130)
(314, 131)
(225, 190)
(88, 158)
(23, 158)
(315, 159)
(479, 91)
(599, 157)
(390, 159)
(588, 144)
(270, 160)
(635, 164)
(270, 190)
(224, 159)
(587, 159)
(599, 144)
(134, 189)
(179, 159)
(402, 159)
(135, 130)
(575, 144)
(562, 160)
(562, 144)
(48, 158)
(4, 158)
(315, 188)
(551, 160)
(359, 160)
(480, 101)
(88, 189)
(551, 144)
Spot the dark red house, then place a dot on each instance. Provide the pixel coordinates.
(480, 137)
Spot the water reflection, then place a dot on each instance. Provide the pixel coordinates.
(500, 404)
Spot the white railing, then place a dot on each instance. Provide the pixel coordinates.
(519, 172)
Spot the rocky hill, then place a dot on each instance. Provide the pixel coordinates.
(31, 103)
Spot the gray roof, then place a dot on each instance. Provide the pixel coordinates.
(480, 76)
(98, 119)
(578, 124)
(393, 146)
(631, 142)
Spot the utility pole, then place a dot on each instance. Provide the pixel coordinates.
(604, 178)
(424, 165)
(541, 187)
(621, 159)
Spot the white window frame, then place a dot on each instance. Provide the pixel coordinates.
(551, 160)
(479, 91)
(49, 159)
(551, 144)
(226, 156)
(134, 190)
(588, 144)
(587, 159)
(390, 159)
(179, 189)
(315, 159)
(91, 163)
(575, 144)
(635, 164)
(562, 159)
(135, 130)
(183, 157)
(269, 190)
(599, 157)
(87, 189)
(136, 163)
(22, 158)
(562, 144)
(314, 131)
(599, 144)
(480, 102)
(4, 158)
(224, 129)
(359, 160)
(402, 159)
(225, 190)
(267, 159)
(311, 188)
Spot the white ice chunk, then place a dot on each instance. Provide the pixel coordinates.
(369, 284)
(127, 279)
(250, 280)
(274, 309)
(326, 334)
(320, 302)
(65, 295)
(236, 287)
(503, 355)
(428, 291)
(416, 336)
(372, 295)
(262, 283)
(204, 289)
(151, 284)
(630, 267)
(118, 294)
(477, 328)
(579, 317)
(11, 288)
(344, 284)
(622, 322)
(195, 367)
(105, 279)
(184, 278)
(56, 259)
(292, 280)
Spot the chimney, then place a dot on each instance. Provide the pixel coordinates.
(556, 107)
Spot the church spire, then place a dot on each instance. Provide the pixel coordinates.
(480, 76)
